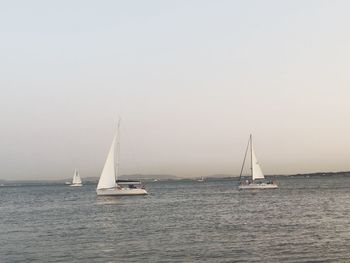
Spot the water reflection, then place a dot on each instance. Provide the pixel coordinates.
(109, 200)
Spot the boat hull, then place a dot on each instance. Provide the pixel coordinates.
(75, 185)
(257, 186)
(121, 192)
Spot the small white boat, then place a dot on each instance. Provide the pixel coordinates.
(201, 179)
(76, 179)
(108, 184)
(258, 177)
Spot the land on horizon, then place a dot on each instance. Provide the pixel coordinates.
(151, 177)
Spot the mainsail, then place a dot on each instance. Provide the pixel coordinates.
(256, 169)
(255, 166)
(109, 173)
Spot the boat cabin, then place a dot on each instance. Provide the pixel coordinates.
(131, 184)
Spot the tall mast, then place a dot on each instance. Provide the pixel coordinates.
(116, 153)
(251, 155)
(245, 156)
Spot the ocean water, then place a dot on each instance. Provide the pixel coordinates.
(305, 220)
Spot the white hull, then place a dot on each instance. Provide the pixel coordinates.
(75, 185)
(122, 191)
(258, 186)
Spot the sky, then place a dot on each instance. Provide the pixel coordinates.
(190, 79)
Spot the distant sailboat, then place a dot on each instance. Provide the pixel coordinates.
(201, 179)
(108, 183)
(256, 172)
(76, 179)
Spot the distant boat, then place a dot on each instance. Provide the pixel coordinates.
(76, 179)
(257, 181)
(108, 183)
(155, 180)
(201, 179)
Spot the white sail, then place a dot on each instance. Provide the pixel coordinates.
(76, 178)
(256, 169)
(109, 173)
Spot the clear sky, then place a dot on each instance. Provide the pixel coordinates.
(191, 80)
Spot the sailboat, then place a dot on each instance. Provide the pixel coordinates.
(201, 179)
(257, 181)
(76, 179)
(108, 183)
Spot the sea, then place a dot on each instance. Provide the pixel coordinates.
(306, 220)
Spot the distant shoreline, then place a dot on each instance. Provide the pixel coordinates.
(150, 178)
(322, 174)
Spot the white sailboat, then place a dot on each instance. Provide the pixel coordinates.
(108, 183)
(201, 179)
(257, 181)
(76, 179)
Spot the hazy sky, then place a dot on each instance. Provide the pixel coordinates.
(191, 80)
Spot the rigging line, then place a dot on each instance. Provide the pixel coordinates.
(245, 156)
